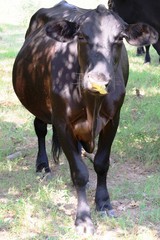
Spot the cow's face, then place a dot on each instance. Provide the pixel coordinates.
(100, 34)
(100, 42)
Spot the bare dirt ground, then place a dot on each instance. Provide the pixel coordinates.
(125, 206)
(135, 174)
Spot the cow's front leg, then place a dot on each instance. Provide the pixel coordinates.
(101, 166)
(83, 220)
(42, 159)
(79, 175)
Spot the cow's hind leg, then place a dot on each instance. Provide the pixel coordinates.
(147, 55)
(101, 166)
(42, 159)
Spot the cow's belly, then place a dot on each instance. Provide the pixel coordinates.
(40, 108)
(33, 90)
(37, 104)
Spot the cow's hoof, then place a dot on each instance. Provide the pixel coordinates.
(147, 63)
(47, 176)
(42, 166)
(84, 226)
(44, 177)
(110, 213)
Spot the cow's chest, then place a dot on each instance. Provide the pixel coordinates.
(86, 123)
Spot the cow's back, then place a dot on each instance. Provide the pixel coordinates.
(133, 11)
(62, 10)
(33, 73)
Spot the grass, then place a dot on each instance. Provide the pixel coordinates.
(139, 127)
(35, 208)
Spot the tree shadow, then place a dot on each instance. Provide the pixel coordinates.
(20, 180)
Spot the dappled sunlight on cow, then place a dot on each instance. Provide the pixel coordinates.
(71, 72)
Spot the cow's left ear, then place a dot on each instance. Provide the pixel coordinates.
(140, 34)
(62, 31)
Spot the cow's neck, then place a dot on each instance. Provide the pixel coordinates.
(93, 106)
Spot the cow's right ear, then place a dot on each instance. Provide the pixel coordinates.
(62, 31)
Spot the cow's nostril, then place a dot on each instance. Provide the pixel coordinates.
(106, 85)
(107, 82)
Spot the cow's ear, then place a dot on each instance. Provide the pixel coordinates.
(62, 31)
(140, 34)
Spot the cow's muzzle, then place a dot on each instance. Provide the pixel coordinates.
(97, 83)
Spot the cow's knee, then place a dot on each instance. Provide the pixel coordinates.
(40, 128)
(101, 167)
(80, 177)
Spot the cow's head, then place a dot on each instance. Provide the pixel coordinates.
(100, 35)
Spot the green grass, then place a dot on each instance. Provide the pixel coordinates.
(34, 208)
(139, 131)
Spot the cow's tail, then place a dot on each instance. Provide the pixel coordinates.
(56, 147)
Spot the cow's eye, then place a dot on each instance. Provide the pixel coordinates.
(119, 39)
(81, 37)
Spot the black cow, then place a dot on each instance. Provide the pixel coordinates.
(141, 51)
(72, 74)
(144, 50)
(133, 11)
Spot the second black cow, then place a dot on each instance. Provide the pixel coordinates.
(133, 11)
